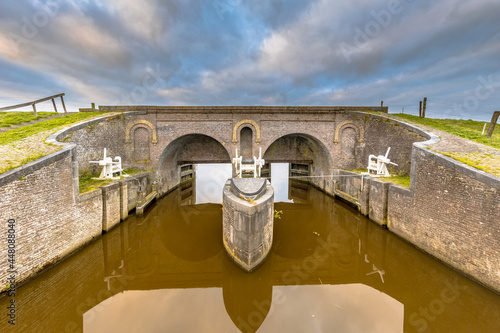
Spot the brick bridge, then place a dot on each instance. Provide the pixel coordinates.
(316, 139)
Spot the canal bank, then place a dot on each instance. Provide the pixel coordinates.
(329, 267)
(450, 210)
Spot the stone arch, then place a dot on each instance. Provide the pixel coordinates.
(140, 122)
(300, 147)
(246, 121)
(188, 149)
(359, 130)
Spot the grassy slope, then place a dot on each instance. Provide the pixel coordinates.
(15, 118)
(467, 129)
(25, 131)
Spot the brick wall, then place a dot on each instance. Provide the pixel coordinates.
(50, 221)
(453, 214)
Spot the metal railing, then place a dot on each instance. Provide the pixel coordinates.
(17, 106)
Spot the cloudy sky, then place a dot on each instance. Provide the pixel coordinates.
(242, 52)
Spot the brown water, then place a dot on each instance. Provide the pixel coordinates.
(330, 270)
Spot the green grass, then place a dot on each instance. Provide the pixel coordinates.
(8, 119)
(468, 129)
(357, 170)
(26, 160)
(87, 183)
(402, 180)
(25, 131)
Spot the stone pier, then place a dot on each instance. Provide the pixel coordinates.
(248, 220)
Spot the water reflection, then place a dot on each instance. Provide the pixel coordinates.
(329, 270)
(210, 181)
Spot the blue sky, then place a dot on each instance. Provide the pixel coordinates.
(241, 52)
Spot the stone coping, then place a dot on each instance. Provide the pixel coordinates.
(249, 186)
(242, 109)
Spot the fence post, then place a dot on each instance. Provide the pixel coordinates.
(54, 103)
(34, 110)
(64, 106)
(493, 122)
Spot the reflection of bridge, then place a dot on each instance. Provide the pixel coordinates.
(322, 243)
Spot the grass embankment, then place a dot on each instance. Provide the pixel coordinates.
(88, 183)
(26, 131)
(26, 144)
(483, 161)
(467, 129)
(8, 119)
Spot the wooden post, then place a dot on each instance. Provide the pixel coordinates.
(64, 106)
(425, 107)
(382, 104)
(420, 110)
(493, 122)
(54, 103)
(34, 110)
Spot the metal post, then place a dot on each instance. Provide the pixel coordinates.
(34, 110)
(54, 103)
(64, 106)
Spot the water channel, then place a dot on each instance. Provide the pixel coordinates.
(330, 270)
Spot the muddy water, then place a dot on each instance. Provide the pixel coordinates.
(330, 270)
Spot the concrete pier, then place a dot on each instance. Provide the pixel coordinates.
(248, 220)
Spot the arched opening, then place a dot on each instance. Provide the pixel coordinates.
(186, 150)
(307, 157)
(246, 136)
(300, 148)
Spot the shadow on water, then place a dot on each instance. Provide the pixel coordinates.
(330, 270)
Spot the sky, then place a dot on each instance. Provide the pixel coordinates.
(242, 52)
